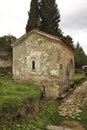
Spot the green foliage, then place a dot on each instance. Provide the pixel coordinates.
(5, 43)
(69, 40)
(78, 71)
(45, 16)
(34, 16)
(48, 115)
(83, 117)
(50, 17)
(13, 95)
(78, 77)
(80, 57)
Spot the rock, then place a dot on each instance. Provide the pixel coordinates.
(72, 104)
(51, 127)
(38, 129)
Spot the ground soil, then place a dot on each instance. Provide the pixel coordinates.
(72, 124)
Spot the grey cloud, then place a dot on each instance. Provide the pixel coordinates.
(77, 20)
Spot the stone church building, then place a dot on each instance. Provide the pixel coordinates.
(45, 60)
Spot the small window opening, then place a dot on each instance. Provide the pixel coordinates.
(33, 65)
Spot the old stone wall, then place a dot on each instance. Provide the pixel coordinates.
(43, 61)
(67, 71)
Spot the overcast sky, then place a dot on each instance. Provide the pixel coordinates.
(14, 15)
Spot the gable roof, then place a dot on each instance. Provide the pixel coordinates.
(43, 34)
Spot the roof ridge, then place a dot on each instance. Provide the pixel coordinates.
(43, 33)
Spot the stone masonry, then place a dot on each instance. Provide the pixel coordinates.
(45, 60)
(71, 105)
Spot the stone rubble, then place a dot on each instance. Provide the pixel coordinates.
(72, 104)
(51, 127)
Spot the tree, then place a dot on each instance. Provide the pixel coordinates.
(44, 16)
(69, 40)
(5, 43)
(80, 56)
(50, 17)
(34, 16)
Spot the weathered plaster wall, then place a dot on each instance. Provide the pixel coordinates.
(50, 58)
(67, 71)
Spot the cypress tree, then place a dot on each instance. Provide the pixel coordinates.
(33, 20)
(44, 15)
(69, 40)
(50, 17)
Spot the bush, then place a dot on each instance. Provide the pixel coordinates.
(78, 71)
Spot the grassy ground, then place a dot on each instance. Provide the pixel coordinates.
(15, 99)
(83, 117)
(13, 94)
(48, 114)
(79, 77)
(12, 98)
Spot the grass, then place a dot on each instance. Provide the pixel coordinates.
(13, 96)
(79, 77)
(83, 117)
(11, 90)
(48, 114)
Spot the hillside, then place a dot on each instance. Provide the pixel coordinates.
(17, 100)
(6, 54)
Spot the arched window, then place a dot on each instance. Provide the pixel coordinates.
(33, 65)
